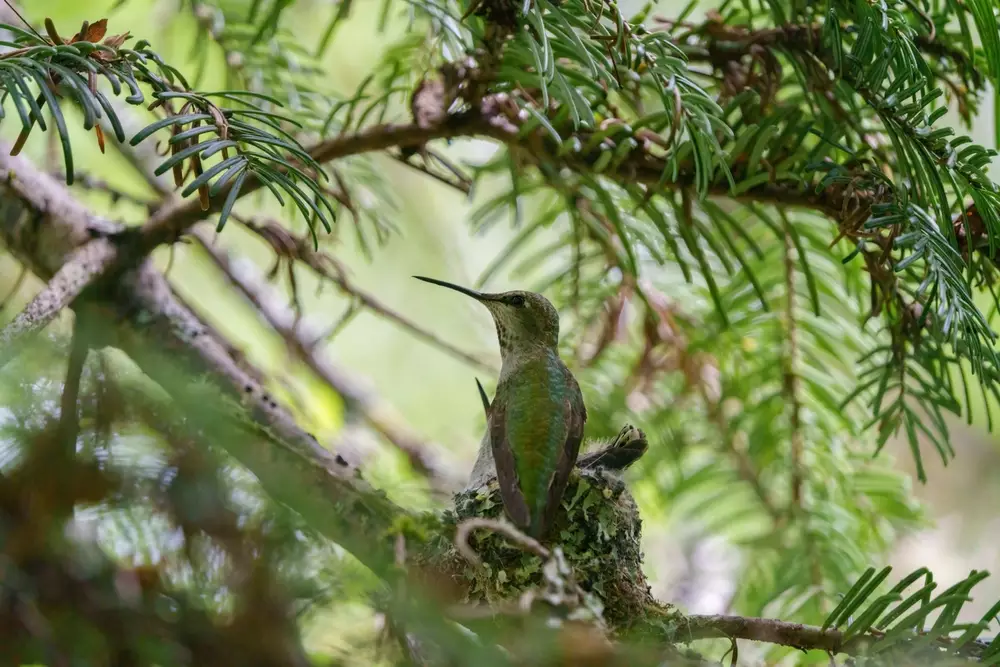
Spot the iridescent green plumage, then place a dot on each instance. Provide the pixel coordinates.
(535, 422)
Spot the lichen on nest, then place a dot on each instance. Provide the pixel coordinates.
(598, 531)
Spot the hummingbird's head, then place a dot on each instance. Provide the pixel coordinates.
(524, 320)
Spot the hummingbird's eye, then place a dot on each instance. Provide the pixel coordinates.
(517, 300)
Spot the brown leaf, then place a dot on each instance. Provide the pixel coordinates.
(203, 190)
(79, 36)
(100, 137)
(95, 33)
(220, 121)
(115, 41)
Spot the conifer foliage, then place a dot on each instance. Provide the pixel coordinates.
(772, 247)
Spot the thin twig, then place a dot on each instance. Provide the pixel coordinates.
(370, 406)
(328, 268)
(464, 531)
(796, 635)
(89, 182)
(790, 383)
(462, 184)
(69, 420)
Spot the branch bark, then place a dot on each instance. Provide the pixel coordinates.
(771, 631)
(81, 268)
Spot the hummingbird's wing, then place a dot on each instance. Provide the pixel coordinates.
(503, 457)
(575, 415)
(536, 426)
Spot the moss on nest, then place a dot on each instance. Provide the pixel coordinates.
(599, 533)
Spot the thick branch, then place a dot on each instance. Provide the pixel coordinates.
(290, 466)
(170, 222)
(42, 224)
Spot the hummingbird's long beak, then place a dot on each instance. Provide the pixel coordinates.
(478, 296)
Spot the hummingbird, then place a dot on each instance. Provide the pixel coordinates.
(624, 450)
(535, 421)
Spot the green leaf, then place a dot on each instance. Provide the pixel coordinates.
(167, 122)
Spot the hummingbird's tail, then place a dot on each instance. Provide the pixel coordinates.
(627, 448)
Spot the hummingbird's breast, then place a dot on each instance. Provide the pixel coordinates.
(538, 391)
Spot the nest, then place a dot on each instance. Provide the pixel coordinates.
(598, 533)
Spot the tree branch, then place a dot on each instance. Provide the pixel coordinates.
(367, 403)
(43, 225)
(81, 268)
(69, 415)
(170, 222)
(805, 637)
(796, 635)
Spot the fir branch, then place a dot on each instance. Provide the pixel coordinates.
(771, 631)
(809, 637)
